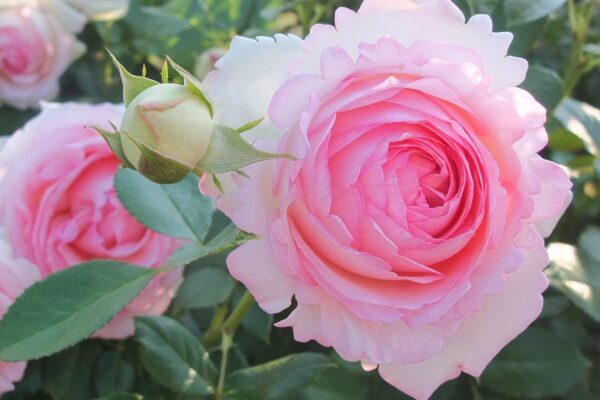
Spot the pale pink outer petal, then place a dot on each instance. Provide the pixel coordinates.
(356, 339)
(241, 88)
(9, 374)
(245, 79)
(546, 226)
(502, 317)
(224, 201)
(253, 264)
(554, 196)
(409, 21)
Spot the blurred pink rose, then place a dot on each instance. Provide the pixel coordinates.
(37, 45)
(410, 229)
(59, 206)
(15, 276)
(206, 61)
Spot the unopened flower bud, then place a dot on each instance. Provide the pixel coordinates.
(170, 119)
(168, 130)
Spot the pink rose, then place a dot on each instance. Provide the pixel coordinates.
(37, 44)
(16, 275)
(206, 61)
(59, 206)
(410, 229)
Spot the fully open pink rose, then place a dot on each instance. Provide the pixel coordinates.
(410, 229)
(37, 44)
(15, 276)
(59, 206)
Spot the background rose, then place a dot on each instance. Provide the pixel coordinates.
(60, 207)
(410, 230)
(37, 44)
(206, 61)
(105, 10)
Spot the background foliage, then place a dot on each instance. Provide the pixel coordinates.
(557, 358)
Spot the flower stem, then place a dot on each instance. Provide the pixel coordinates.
(577, 63)
(228, 331)
(226, 343)
(234, 320)
(213, 333)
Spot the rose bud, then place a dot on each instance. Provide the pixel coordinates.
(171, 119)
(168, 130)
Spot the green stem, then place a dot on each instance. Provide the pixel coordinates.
(226, 343)
(576, 65)
(234, 320)
(229, 327)
(213, 333)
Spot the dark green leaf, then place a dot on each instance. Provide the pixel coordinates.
(519, 12)
(576, 272)
(583, 120)
(204, 288)
(563, 140)
(525, 37)
(259, 323)
(122, 396)
(545, 85)
(68, 375)
(173, 356)
(68, 307)
(113, 373)
(177, 210)
(277, 379)
(535, 365)
(554, 305)
(337, 383)
(13, 119)
(227, 239)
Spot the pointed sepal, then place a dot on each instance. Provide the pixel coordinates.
(250, 125)
(164, 73)
(192, 84)
(228, 152)
(159, 167)
(114, 142)
(132, 85)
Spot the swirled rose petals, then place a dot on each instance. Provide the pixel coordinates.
(412, 218)
(60, 208)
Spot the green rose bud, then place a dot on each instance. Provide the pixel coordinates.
(170, 119)
(168, 130)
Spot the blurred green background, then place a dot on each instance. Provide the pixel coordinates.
(557, 358)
